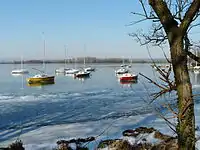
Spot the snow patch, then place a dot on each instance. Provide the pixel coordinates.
(143, 138)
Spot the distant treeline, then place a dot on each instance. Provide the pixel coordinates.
(87, 60)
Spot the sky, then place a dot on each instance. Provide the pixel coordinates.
(100, 25)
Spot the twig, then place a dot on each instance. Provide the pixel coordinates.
(151, 81)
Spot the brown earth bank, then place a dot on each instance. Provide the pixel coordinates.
(141, 138)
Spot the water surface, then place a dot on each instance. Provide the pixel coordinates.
(71, 108)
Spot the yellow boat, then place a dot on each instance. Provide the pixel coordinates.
(41, 79)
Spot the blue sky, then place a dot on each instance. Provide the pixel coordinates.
(99, 24)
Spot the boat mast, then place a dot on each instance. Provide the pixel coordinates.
(84, 56)
(75, 62)
(44, 47)
(131, 61)
(22, 82)
(21, 62)
(196, 55)
(65, 56)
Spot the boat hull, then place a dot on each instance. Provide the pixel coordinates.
(71, 71)
(122, 72)
(129, 79)
(20, 72)
(82, 75)
(90, 69)
(41, 80)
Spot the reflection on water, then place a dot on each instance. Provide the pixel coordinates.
(127, 83)
(40, 84)
(98, 101)
(69, 75)
(82, 79)
(17, 75)
(59, 74)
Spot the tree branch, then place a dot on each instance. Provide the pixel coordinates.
(190, 14)
(192, 26)
(194, 57)
(165, 16)
(151, 81)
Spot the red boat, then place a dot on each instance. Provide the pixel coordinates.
(128, 77)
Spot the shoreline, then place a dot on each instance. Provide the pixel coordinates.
(108, 61)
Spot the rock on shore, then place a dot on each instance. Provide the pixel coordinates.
(141, 138)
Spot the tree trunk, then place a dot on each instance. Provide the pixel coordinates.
(186, 118)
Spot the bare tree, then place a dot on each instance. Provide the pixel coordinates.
(172, 21)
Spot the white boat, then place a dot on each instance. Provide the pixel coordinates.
(121, 71)
(62, 69)
(42, 78)
(20, 71)
(89, 69)
(161, 67)
(71, 71)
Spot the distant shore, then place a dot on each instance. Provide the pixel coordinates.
(87, 60)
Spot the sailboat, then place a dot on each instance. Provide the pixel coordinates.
(82, 73)
(20, 71)
(89, 68)
(123, 69)
(123, 65)
(72, 71)
(41, 78)
(62, 70)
